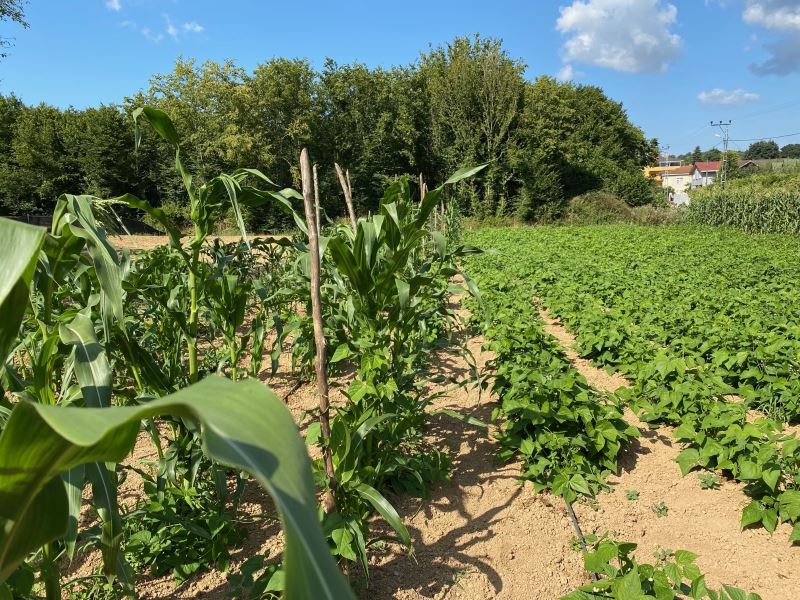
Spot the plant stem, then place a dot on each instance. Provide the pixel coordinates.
(232, 353)
(50, 574)
(193, 288)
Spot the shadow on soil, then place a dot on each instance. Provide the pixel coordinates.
(437, 565)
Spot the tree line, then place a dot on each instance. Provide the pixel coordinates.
(762, 149)
(464, 103)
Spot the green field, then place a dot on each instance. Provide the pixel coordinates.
(704, 322)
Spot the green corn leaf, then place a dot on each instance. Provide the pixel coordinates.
(19, 248)
(91, 365)
(244, 425)
(403, 290)
(77, 210)
(103, 478)
(465, 173)
(386, 510)
(160, 122)
(74, 482)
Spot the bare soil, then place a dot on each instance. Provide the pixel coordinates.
(147, 242)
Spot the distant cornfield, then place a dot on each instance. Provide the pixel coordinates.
(762, 204)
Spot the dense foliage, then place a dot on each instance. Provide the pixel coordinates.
(762, 203)
(603, 208)
(462, 104)
(703, 322)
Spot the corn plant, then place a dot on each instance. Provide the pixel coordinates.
(385, 304)
(759, 204)
(209, 202)
(45, 449)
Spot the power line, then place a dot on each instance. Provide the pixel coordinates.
(770, 109)
(774, 137)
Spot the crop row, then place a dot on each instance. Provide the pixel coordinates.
(759, 204)
(706, 325)
(567, 435)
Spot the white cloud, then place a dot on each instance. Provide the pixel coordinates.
(565, 73)
(153, 36)
(188, 27)
(568, 73)
(193, 27)
(727, 97)
(172, 31)
(785, 58)
(782, 16)
(773, 14)
(625, 35)
(115, 5)
(157, 35)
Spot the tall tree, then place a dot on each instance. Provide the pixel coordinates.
(790, 151)
(475, 92)
(763, 149)
(697, 154)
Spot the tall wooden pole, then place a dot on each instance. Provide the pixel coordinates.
(316, 199)
(348, 194)
(329, 501)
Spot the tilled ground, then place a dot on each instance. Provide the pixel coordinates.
(483, 534)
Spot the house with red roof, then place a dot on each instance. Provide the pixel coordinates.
(708, 171)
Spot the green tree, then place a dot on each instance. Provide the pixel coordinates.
(762, 149)
(475, 93)
(790, 151)
(712, 155)
(38, 167)
(368, 121)
(697, 154)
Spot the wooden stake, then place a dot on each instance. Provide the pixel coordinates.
(329, 500)
(316, 199)
(348, 194)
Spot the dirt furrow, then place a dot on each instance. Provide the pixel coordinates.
(674, 512)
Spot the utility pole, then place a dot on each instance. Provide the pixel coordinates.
(666, 161)
(724, 126)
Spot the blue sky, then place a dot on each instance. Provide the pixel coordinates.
(675, 65)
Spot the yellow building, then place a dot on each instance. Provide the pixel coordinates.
(655, 173)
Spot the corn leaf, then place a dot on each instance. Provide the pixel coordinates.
(243, 425)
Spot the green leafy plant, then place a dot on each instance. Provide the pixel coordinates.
(709, 481)
(549, 416)
(33, 499)
(660, 509)
(702, 348)
(674, 576)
